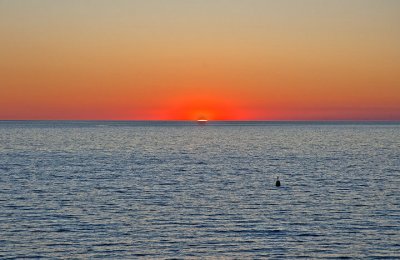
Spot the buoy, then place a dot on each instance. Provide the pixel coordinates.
(278, 182)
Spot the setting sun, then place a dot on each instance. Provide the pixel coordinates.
(202, 120)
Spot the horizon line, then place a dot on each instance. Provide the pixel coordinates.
(233, 120)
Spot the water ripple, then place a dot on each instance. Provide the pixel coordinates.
(136, 190)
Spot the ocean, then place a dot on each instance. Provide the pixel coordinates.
(148, 189)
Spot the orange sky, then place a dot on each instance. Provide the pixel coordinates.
(180, 60)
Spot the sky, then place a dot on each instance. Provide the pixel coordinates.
(188, 59)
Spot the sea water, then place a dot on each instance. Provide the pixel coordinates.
(181, 190)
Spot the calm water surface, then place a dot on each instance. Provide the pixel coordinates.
(179, 190)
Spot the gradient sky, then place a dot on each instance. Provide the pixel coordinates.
(182, 59)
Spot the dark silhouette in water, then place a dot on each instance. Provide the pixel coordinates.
(278, 182)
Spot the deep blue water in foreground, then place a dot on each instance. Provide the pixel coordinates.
(179, 190)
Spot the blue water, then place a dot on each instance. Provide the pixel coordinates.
(179, 190)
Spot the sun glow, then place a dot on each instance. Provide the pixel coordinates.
(206, 106)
